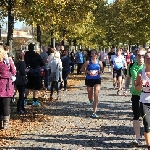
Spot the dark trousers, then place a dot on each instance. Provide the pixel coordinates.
(72, 67)
(46, 77)
(79, 66)
(5, 106)
(20, 102)
(65, 77)
(55, 85)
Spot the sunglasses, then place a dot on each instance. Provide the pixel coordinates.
(140, 55)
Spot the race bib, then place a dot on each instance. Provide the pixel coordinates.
(128, 60)
(93, 72)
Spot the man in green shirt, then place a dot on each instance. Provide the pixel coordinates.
(132, 72)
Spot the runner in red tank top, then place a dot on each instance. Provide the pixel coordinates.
(127, 57)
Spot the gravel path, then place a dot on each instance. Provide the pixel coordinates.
(71, 128)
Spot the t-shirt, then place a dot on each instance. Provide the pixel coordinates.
(44, 56)
(132, 58)
(118, 62)
(103, 56)
(134, 70)
(127, 57)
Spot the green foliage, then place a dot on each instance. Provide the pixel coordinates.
(90, 22)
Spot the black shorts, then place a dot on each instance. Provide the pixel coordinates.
(117, 73)
(104, 63)
(135, 107)
(34, 83)
(92, 82)
(145, 114)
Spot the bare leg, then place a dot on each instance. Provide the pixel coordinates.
(96, 91)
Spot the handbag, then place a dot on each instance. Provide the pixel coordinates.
(34, 72)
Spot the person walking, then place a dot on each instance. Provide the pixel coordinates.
(21, 81)
(66, 64)
(79, 61)
(72, 59)
(132, 72)
(93, 68)
(56, 73)
(142, 85)
(44, 56)
(7, 70)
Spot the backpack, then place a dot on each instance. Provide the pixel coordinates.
(80, 57)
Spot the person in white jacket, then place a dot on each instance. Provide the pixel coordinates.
(56, 73)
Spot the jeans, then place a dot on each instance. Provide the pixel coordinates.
(5, 106)
(20, 102)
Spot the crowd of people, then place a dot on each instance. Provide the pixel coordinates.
(27, 71)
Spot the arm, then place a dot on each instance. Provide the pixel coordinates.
(127, 81)
(60, 65)
(84, 67)
(125, 63)
(101, 66)
(138, 83)
(41, 62)
(12, 67)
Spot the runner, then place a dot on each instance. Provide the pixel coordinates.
(143, 84)
(103, 58)
(118, 62)
(93, 68)
(110, 55)
(127, 56)
(132, 72)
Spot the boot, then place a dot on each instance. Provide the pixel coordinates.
(6, 122)
(1, 122)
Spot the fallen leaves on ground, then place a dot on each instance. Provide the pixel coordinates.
(34, 116)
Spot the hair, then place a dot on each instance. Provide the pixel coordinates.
(52, 50)
(31, 47)
(3, 53)
(6, 48)
(147, 53)
(93, 50)
(44, 47)
(141, 49)
(18, 56)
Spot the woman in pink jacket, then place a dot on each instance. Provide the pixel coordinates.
(7, 72)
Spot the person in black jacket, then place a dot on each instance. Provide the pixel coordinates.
(34, 63)
(66, 63)
(20, 80)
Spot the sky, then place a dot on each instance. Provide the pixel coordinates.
(18, 25)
